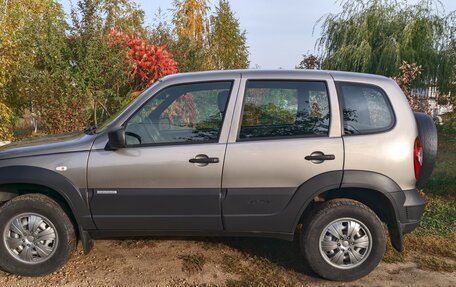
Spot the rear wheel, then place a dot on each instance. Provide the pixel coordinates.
(37, 235)
(343, 241)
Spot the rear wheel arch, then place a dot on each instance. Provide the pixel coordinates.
(374, 199)
(378, 192)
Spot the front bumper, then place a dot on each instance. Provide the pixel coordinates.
(409, 205)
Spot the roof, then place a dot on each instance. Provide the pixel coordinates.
(337, 75)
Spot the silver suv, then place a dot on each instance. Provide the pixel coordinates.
(229, 153)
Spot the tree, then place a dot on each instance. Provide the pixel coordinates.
(5, 122)
(409, 72)
(161, 33)
(34, 40)
(100, 70)
(190, 20)
(310, 62)
(375, 36)
(228, 45)
(191, 28)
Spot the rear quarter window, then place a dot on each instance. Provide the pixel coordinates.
(366, 108)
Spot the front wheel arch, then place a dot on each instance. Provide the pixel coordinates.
(16, 177)
(12, 190)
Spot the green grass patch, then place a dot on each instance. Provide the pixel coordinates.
(439, 216)
(443, 179)
(440, 190)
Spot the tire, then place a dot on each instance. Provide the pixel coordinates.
(318, 245)
(427, 132)
(37, 237)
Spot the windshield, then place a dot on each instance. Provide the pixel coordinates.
(100, 128)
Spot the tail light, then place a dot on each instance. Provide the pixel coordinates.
(417, 157)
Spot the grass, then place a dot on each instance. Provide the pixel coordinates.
(192, 263)
(443, 180)
(440, 191)
(440, 216)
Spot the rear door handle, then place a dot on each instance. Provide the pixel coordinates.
(204, 159)
(319, 157)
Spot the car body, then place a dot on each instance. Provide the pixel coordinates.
(246, 168)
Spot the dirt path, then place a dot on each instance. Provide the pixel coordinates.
(210, 262)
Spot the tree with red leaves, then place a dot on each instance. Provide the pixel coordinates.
(150, 62)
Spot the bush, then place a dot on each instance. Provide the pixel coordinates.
(449, 123)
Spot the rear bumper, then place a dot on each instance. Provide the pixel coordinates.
(409, 210)
(412, 210)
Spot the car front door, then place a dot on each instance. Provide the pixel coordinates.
(169, 175)
(288, 132)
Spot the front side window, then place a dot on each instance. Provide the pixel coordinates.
(190, 113)
(285, 109)
(365, 108)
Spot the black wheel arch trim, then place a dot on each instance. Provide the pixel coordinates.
(52, 180)
(356, 179)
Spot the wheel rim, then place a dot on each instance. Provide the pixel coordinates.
(30, 238)
(345, 243)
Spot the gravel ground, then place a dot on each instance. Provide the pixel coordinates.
(209, 262)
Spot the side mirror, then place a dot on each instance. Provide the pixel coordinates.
(117, 139)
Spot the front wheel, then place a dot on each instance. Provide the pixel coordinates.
(343, 241)
(37, 235)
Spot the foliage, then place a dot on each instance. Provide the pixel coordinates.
(227, 43)
(63, 73)
(191, 28)
(310, 62)
(375, 36)
(449, 123)
(5, 122)
(190, 20)
(100, 70)
(409, 72)
(39, 38)
(149, 62)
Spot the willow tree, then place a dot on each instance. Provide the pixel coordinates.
(228, 43)
(375, 36)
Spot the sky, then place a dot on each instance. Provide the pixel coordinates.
(279, 32)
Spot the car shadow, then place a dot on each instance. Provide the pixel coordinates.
(279, 252)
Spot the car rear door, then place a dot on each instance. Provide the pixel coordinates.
(285, 131)
(169, 175)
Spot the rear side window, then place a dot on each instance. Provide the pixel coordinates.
(366, 108)
(274, 109)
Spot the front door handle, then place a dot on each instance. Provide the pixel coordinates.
(204, 159)
(319, 157)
